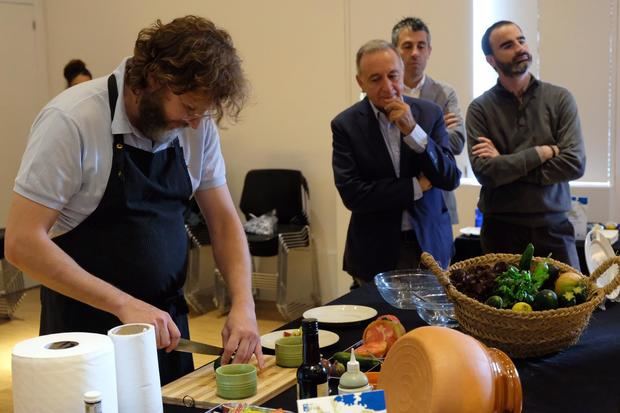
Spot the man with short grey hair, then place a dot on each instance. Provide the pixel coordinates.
(390, 160)
(412, 39)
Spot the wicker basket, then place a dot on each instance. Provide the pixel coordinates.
(522, 334)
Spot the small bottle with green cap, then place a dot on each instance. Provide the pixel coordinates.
(353, 380)
(92, 402)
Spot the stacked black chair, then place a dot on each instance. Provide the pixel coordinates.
(285, 191)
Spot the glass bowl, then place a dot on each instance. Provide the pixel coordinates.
(419, 290)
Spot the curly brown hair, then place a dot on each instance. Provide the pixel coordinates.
(190, 54)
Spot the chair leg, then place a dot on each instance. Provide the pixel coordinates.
(291, 304)
(12, 288)
(220, 298)
(282, 281)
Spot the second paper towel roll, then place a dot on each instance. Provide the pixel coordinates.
(137, 369)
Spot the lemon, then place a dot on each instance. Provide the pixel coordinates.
(522, 307)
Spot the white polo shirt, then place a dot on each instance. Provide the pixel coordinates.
(68, 158)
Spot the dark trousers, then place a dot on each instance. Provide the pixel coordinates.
(408, 257)
(498, 236)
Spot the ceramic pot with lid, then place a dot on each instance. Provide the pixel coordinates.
(438, 370)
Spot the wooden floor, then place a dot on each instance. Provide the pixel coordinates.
(25, 324)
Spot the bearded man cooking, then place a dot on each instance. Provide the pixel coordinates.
(109, 169)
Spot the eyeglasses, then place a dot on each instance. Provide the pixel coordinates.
(191, 113)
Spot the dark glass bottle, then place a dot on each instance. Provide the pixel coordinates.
(311, 375)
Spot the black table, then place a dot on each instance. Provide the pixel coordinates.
(581, 379)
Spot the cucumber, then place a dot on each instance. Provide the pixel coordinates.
(366, 363)
(526, 258)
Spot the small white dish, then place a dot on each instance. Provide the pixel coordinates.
(326, 338)
(611, 235)
(597, 249)
(341, 314)
(606, 278)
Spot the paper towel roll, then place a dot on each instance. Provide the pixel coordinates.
(137, 369)
(51, 373)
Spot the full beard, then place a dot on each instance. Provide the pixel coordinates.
(513, 69)
(152, 120)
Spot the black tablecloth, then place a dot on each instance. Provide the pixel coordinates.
(581, 379)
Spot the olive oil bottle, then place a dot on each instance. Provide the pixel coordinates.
(311, 375)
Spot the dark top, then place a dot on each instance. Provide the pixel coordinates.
(517, 186)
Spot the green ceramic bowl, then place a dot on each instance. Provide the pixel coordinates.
(236, 381)
(289, 351)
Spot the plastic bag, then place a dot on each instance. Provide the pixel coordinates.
(263, 225)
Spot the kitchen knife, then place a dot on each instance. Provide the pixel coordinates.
(190, 346)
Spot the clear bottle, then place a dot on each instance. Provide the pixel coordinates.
(92, 402)
(311, 375)
(578, 216)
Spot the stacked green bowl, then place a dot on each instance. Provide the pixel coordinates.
(289, 351)
(236, 381)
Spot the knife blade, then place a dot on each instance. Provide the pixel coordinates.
(190, 346)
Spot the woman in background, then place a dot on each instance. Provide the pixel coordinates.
(76, 72)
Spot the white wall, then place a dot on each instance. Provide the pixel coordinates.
(23, 85)
(299, 56)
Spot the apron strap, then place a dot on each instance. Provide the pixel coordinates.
(112, 94)
(118, 138)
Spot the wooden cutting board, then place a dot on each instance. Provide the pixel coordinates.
(198, 387)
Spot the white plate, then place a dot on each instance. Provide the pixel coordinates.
(470, 231)
(597, 249)
(326, 338)
(339, 314)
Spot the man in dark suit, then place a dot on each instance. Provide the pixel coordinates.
(390, 160)
(412, 39)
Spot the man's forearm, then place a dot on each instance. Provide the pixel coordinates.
(230, 245)
(233, 260)
(439, 166)
(456, 138)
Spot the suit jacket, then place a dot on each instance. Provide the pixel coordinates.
(445, 97)
(368, 185)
